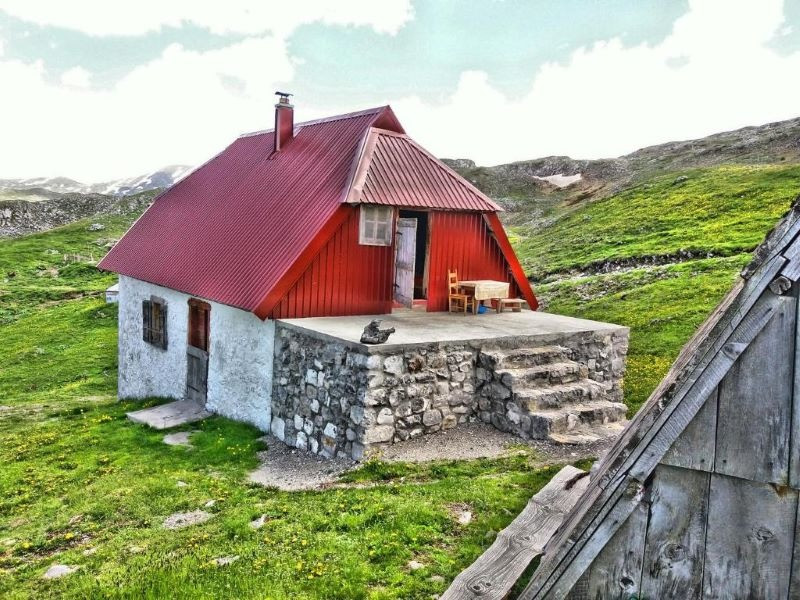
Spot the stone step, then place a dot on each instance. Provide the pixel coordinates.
(528, 357)
(556, 396)
(545, 423)
(584, 434)
(171, 414)
(548, 374)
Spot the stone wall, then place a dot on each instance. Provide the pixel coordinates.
(338, 398)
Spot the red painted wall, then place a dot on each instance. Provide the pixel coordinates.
(345, 278)
(462, 241)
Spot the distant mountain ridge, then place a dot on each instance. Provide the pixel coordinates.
(534, 191)
(161, 178)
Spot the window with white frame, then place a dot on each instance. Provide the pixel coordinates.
(376, 225)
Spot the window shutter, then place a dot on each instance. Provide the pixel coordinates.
(163, 326)
(146, 320)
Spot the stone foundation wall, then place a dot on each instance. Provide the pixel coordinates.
(340, 399)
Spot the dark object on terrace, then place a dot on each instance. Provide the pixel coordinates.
(373, 334)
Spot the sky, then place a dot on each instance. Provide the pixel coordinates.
(102, 89)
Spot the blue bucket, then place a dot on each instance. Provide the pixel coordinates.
(482, 309)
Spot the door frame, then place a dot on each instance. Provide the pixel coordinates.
(198, 336)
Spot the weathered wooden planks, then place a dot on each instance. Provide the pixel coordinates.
(749, 539)
(755, 404)
(741, 363)
(675, 545)
(497, 569)
(617, 570)
(694, 448)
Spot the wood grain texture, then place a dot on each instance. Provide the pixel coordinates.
(794, 433)
(616, 572)
(694, 448)
(794, 577)
(614, 514)
(749, 540)
(497, 570)
(755, 404)
(675, 546)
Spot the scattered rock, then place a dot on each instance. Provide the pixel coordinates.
(90, 551)
(210, 504)
(56, 571)
(135, 549)
(259, 522)
(680, 179)
(436, 579)
(181, 520)
(96, 227)
(182, 484)
(225, 560)
(462, 513)
(415, 565)
(179, 438)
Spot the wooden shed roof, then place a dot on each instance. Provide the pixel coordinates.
(619, 480)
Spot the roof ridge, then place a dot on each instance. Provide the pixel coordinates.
(350, 115)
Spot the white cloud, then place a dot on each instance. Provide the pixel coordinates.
(714, 72)
(176, 109)
(609, 100)
(76, 77)
(250, 17)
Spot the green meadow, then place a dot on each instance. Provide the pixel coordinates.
(81, 485)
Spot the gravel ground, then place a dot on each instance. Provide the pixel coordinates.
(289, 469)
(292, 470)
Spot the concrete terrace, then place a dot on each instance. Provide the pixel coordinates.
(415, 327)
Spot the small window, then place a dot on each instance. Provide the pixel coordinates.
(376, 226)
(154, 322)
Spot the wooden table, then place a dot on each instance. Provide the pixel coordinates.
(485, 289)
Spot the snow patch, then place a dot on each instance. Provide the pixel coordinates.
(561, 180)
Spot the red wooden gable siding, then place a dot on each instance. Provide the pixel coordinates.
(462, 241)
(345, 278)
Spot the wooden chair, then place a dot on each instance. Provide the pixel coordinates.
(458, 301)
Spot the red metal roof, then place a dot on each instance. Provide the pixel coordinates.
(394, 170)
(233, 227)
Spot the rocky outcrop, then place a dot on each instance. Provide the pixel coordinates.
(31, 211)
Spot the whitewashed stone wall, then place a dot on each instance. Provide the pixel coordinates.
(145, 370)
(240, 355)
(240, 365)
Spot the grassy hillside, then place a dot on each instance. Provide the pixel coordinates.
(81, 485)
(720, 211)
(679, 219)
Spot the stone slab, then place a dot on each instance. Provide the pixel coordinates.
(419, 328)
(169, 415)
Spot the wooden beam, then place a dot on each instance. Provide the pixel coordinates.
(496, 570)
(511, 258)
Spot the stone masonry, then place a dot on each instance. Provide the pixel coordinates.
(339, 398)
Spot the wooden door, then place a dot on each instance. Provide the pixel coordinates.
(197, 351)
(404, 260)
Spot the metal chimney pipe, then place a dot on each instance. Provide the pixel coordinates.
(284, 121)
